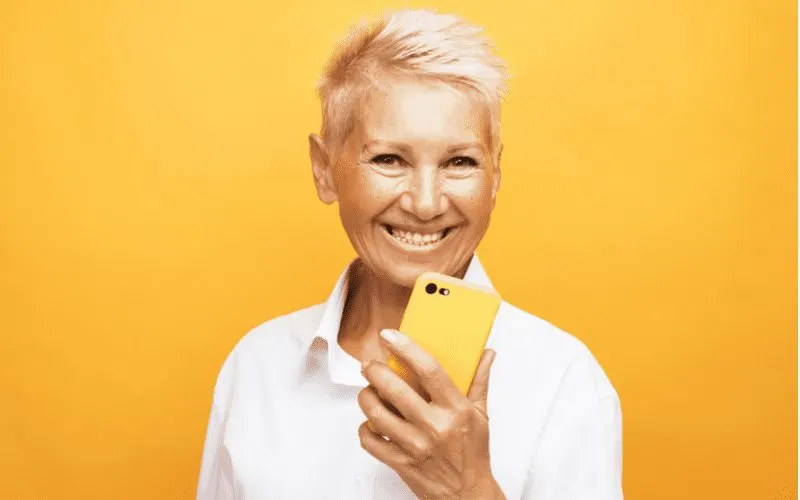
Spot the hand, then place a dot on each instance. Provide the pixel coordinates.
(439, 448)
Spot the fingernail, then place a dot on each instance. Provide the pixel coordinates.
(364, 365)
(390, 336)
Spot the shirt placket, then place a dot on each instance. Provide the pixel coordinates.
(359, 483)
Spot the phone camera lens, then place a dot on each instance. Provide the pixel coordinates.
(431, 288)
(444, 291)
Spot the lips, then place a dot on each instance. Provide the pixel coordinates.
(416, 239)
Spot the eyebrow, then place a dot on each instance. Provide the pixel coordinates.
(465, 145)
(400, 146)
(391, 144)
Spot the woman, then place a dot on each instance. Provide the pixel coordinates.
(304, 406)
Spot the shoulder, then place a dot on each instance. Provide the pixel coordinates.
(267, 347)
(540, 350)
(572, 417)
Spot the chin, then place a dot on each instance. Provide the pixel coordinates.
(405, 274)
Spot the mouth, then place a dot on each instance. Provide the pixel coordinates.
(413, 241)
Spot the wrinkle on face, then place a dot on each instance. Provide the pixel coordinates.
(418, 161)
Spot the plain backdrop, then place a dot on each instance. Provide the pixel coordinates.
(156, 203)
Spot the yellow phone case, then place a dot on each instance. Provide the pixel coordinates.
(451, 319)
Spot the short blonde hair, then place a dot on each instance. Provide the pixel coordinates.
(412, 43)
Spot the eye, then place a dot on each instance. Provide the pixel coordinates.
(387, 160)
(463, 162)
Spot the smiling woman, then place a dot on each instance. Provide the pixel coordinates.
(306, 407)
(415, 180)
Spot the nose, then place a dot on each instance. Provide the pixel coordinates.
(424, 199)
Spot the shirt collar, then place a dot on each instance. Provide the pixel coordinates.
(328, 329)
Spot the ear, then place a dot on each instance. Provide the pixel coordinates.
(321, 169)
(497, 173)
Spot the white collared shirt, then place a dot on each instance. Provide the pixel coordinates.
(285, 416)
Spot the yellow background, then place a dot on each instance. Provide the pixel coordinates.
(156, 203)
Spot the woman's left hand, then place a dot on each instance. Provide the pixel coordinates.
(439, 448)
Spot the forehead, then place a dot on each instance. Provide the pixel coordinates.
(419, 111)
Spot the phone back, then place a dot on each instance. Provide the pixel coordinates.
(451, 319)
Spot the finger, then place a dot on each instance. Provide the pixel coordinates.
(384, 450)
(384, 423)
(378, 411)
(479, 389)
(395, 391)
(431, 375)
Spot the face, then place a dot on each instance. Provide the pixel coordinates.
(415, 181)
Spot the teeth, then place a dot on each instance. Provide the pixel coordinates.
(417, 239)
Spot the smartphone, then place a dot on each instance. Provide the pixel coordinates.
(451, 319)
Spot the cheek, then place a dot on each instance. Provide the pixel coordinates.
(472, 197)
(364, 194)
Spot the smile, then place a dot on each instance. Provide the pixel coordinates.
(416, 241)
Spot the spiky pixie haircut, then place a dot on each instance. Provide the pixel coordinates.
(419, 44)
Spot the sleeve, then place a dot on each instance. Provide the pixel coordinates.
(578, 456)
(216, 479)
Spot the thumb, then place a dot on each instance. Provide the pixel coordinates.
(479, 389)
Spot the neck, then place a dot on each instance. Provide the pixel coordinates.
(372, 304)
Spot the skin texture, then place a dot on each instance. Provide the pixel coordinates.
(438, 445)
(418, 159)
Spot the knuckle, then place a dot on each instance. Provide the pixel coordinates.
(421, 448)
(462, 408)
(374, 413)
(431, 371)
(448, 425)
(370, 370)
(441, 431)
(395, 391)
